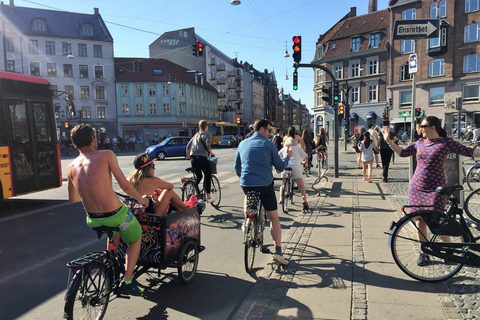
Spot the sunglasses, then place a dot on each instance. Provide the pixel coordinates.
(425, 126)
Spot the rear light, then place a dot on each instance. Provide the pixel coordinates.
(403, 211)
(251, 216)
(184, 180)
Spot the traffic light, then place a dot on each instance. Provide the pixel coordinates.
(238, 120)
(390, 102)
(194, 49)
(66, 125)
(418, 112)
(341, 110)
(297, 49)
(295, 80)
(327, 95)
(336, 92)
(200, 49)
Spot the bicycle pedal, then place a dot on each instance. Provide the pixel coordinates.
(264, 249)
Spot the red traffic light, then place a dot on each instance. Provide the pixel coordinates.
(296, 40)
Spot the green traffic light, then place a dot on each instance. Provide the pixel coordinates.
(345, 129)
(295, 87)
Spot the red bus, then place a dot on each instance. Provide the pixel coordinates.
(29, 150)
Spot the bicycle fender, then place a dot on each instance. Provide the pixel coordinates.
(392, 230)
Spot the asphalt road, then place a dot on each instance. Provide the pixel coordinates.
(41, 232)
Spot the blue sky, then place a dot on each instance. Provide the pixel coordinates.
(255, 31)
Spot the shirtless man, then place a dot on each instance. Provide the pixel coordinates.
(90, 181)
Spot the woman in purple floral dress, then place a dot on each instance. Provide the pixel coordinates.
(430, 151)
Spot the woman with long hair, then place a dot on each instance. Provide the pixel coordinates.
(321, 139)
(198, 149)
(357, 138)
(367, 146)
(308, 146)
(144, 180)
(296, 138)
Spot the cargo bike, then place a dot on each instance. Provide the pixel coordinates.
(172, 240)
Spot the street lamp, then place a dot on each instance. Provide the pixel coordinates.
(235, 2)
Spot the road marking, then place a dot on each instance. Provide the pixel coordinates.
(25, 214)
(44, 262)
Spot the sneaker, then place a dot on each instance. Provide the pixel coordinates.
(378, 166)
(131, 289)
(280, 259)
(305, 205)
(423, 260)
(210, 200)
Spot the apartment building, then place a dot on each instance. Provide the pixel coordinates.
(157, 98)
(448, 66)
(74, 52)
(355, 49)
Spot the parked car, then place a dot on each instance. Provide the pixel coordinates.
(228, 141)
(170, 147)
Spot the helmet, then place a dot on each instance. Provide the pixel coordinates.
(250, 127)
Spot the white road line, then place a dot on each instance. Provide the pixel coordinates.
(44, 262)
(25, 214)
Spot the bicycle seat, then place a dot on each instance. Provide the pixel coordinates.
(191, 169)
(104, 229)
(288, 169)
(449, 190)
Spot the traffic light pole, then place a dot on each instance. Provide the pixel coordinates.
(335, 111)
(412, 124)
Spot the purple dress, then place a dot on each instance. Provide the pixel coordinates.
(429, 172)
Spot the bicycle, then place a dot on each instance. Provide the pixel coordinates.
(190, 187)
(473, 175)
(253, 228)
(447, 244)
(322, 164)
(287, 189)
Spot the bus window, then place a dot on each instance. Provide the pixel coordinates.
(42, 125)
(22, 147)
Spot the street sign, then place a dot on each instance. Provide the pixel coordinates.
(412, 63)
(403, 114)
(417, 28)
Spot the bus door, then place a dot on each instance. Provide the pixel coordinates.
(33, 151)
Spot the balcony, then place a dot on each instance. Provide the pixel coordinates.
(232, 97)
(221, 67)
(238, 77)
(221, 80)
(231, 85)
(221, 94)
(239, 89)
(231, 73)
(212, 62)
(213, 76)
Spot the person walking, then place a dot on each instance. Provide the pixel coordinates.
(308, 148)
(357, 139)
(386, 152)
(253, 164)
(367, 147)
(430, 151)
(374, 137)
(198, 149)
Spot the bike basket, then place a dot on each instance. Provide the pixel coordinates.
(86, 260)
(440, 224)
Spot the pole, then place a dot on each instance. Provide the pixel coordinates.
(458, 106)
(335, 132)
(412, 123)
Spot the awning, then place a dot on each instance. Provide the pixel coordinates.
(353, 116)
(400, 120)
(371, 115)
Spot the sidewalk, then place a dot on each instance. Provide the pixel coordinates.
(341, 266)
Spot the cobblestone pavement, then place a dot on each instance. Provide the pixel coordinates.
(464, 288)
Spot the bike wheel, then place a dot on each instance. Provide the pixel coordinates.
(291, 190)
(324, 162)
(285, 194)
(250, 228)
(473, 177)
(189, 189)
(472, 206)
(189, 260)
(215, 191)
(405, 247)
(88, 294)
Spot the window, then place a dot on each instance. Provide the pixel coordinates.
(181, 108)
(83, 71)
(405, 73)
(69, 90)
(54, 90)
(86, 29)
(97, 50)
(319, 98)
(319, 75)
(407, 45)
(409, 14)
(125, 109)
(436, 68)
(66, 48)
(472, 5)
(374, 40)
(34, 68)
(84, 92)
(181, 90)
(51, 69)
(101, 112)
(166, 108)
(100, 92)
(405, 98)
(39, 25)
(472, 33)
(152, 90)
(138, 109)
(470, 92)
(11, 65)
(435, 42)
(471, 63)
(33, 46)
(86, 112)
(355, 94)
(442, 11)
(319, 52)
(67, 71)
(138, 90)
(372, 65)
(82, 49)
(355, 44)
(124, 90)
(437, 95)
(165, 90)
(153, 108)
(338, 71)
(9, 44)
(98, 72)
(50, 47)
(354, 68)
(372, 92)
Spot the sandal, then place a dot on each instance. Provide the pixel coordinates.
(369, 180)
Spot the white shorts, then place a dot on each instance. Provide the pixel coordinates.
(296, 173)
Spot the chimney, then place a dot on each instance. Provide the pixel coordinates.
(353, 12)
(372, 6)
(95, 11)
(12, 4)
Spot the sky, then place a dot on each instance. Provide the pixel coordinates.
(257, 31)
